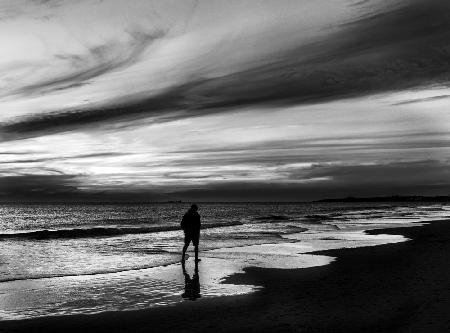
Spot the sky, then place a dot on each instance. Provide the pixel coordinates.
(287, 100)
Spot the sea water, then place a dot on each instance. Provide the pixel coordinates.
(62, 259)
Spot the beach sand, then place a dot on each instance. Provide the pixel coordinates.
(402, 287)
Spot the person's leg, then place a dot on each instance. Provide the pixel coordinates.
(186, 244)
(195, 241)
(184, 252)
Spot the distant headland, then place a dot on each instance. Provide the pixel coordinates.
(394, 198)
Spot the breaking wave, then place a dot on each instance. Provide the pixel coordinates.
(102, 231)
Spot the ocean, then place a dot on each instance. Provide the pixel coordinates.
(62, 259)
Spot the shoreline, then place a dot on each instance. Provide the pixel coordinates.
(386, 288)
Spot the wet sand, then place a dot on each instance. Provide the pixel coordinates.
(403, 287)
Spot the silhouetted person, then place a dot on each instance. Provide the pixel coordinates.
(191, 286)
(191, 227)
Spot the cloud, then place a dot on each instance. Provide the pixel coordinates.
(37, 186)
(68, 120)
(58, 158)
(67, 188)
(350, 141)
(301, 182)
(98, 61)
(397, 173)
(403, 47)
(15, 152)
(328, 180)
(421, 100)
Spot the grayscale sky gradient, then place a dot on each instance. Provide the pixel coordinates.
(223, 100)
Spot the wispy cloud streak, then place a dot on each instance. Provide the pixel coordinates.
(99, 60)
(401, 48)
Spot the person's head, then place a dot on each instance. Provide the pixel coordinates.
(194, 207)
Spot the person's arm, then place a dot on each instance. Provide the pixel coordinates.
(183, 223)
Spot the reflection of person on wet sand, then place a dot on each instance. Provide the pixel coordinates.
(191, 285)
(191, 227)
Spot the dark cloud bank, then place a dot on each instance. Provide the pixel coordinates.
(421, 177)
(414, 178)
(403, 47)
(65, 188)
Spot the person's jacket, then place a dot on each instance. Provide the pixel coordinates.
(191, 222)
